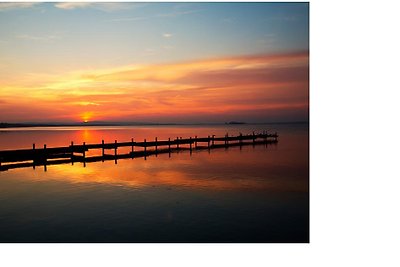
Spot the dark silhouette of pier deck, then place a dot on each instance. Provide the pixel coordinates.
(22, 158)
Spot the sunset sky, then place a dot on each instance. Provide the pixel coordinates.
(154, 62)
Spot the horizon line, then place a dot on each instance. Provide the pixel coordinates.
(110, 123)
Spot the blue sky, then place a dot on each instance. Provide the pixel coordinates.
(107, 34)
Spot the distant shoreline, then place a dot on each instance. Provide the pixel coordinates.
(100, 124)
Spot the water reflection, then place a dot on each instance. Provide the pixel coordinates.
(252, 194)
(259, 167)
(250, 168)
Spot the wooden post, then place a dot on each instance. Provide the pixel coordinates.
(254, 138)
(45, 157)
(145, 148)
(190, 140)
(72, 153)
(34, 155)
(195, 142)
(115, 152)
(132, 149)
(102, 149)
(213, 136)
(169, 147)
(208, 142)
(84, 150)
(177, 142)
(156, 146)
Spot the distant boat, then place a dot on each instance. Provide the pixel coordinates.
(235, 122)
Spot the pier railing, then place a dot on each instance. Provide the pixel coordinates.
(21, 158)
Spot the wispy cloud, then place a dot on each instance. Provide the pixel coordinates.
(167, 35)
(227, 20)
(9, 6)
(178, 13)
(149, 52)
(72, 5)
(283, 17)
(106, 7)
(128, 19)
(110, 7)
(167, 47)
(87, 103)
(164, 15)
(42, 38)
(257, 85)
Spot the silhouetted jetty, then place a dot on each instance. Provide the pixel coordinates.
(21, 158)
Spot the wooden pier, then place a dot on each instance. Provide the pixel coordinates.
(33, 157)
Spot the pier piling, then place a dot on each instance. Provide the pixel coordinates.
(102, 149)
(44, 158)
(115, 152)
(72, 152)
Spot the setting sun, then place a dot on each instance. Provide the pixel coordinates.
(86, 116)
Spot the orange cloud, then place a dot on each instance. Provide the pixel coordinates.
(217, 89)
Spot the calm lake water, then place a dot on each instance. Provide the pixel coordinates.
(251, 194)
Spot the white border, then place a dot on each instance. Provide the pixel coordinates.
(355, 150)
